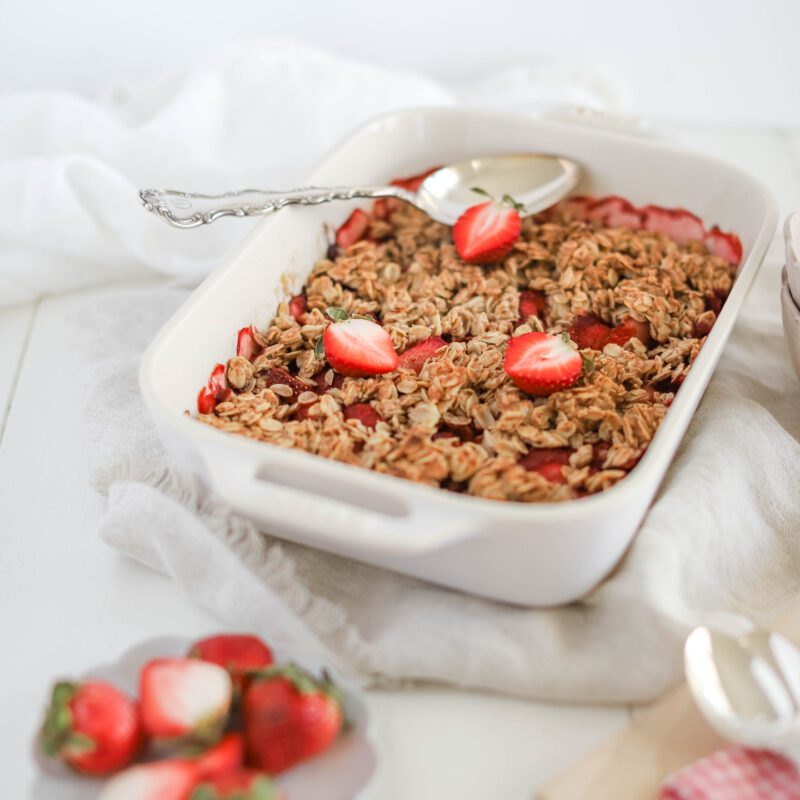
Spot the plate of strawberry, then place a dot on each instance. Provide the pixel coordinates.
(216, 719)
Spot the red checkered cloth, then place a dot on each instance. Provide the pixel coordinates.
(735, 773)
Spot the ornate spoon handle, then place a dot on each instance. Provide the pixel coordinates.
(190, 210)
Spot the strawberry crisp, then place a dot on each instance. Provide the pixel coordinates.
(527, 361)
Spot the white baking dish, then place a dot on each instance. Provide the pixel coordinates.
(530, 554)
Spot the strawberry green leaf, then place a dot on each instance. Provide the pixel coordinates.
(510, 201)
(478, 190)
(319, 348)
(337, 314)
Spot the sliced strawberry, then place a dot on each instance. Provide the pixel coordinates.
(715, 300)
(358, 347)
(184, 698)
(91, 726)
(702, 325)
(226, 755)
(236, 652)
(215, 391)
(724, 245)
(532, 304)
(246, 344)
(548, 462)
(615, 212)
(278, 375)
(322, 381)
(363, 412)
(600, 454)
(679, 224)
(541, 364)
(576, 207)
(161, 780)
(240, 784)
(486, 232)
(380, 208)
(415, 357)
(297, 306)
(413, 182)
(588, 331)
(303, 412)
(627, 330)
(353, 230)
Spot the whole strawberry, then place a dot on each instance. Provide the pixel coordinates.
(289, 717)
(486, 232)
(236, 652)
(184, 699)
(92, 726)
(241, 784)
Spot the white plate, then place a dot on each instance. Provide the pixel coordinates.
(342, 773)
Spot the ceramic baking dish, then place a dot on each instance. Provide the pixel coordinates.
(528, 554)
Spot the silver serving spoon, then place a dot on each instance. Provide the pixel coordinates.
(748, 687)
(534, 180)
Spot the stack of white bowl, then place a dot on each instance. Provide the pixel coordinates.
(790, 291)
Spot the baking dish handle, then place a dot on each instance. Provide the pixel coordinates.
(352, 526)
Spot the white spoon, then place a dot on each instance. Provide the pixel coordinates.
(748, 687)
(534, 180)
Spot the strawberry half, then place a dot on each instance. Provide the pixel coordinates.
(246, 344)
(628, 329)
(288, 718)
(241, 784)
(679, 224)
(215, 391)
(588, 331)
(236, 652)
(353, 230)
(184, 698)
(486, 232)
(541, 364)
(91, 726)
(415, 357)
(357, 346)
(226, 755)
(161, 780)
(724, 245)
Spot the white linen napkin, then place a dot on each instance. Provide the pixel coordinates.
(722, 536)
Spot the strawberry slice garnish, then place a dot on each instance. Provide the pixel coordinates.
(548, 462)
(184, 698)
(353, 230)
(627, 330)
(724, 245)
(173, 779)
(364, 413)
(486, 232)
(532, 304)
(246, 344)
(297, 306)
(615, 212)
(280, 376)
(215, 391)
(679, 224)
(91, 726)
(415, 357)
(588, 331)
(541, 364)
(357, 346)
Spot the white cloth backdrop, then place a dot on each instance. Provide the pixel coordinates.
(722, 536)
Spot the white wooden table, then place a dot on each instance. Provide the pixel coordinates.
(67, 601)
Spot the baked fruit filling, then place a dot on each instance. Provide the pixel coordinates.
(512, 359)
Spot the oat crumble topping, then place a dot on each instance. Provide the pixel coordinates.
(461, 424)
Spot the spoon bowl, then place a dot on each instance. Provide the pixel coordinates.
(747, 687)
(534, 180)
